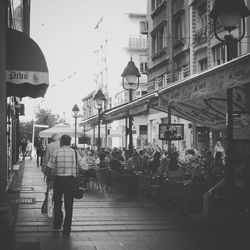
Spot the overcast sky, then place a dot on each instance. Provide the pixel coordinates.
(64, 31)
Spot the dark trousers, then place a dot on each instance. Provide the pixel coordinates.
(39, 154)
(64, 185)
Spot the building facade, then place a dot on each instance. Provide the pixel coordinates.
(182, 44)
(113, 49)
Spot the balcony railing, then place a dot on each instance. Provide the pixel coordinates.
(136, 42)
(201, 36)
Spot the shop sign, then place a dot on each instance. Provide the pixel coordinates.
(32, 77)
(138, 110)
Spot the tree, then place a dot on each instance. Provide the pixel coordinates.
(25, 129)
(43, 117)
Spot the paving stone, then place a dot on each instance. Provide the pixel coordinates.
(100, 222)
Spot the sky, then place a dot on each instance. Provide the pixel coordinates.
(64, 30)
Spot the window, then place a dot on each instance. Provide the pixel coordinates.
(143, 64)
(159, 41)
(218, 52)
(178, 29)
(166, 79)
(181, 72)
(155, 4)
(203, 64)
(143, 129)
(202, 15)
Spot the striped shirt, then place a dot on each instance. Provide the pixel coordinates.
(63, 162)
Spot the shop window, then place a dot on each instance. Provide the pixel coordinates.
(143, 129)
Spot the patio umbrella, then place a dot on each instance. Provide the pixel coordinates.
(60, 130)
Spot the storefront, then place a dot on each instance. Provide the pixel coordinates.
(26, 76)
(203, 99)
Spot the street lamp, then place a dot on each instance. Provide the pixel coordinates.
(99, 100)
(75, 111)
(230, 14)
(129, 76)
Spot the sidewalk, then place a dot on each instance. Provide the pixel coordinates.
(102, 223)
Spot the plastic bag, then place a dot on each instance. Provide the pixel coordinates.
(45, 204)
(50, 204)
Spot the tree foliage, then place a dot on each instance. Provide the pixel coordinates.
(43, 117)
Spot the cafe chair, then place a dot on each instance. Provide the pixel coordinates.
(145, 187)
(92, 180)
(118, 183)
(102, 178)
(175, 193)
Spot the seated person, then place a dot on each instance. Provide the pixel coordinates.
(102, 162)
(155, 163)
(115, 164)
(174, 169)
(134, 162)
(197, 173)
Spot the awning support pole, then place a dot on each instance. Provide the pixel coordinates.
(231, 45)
(3, 105)
(230, 173)
(130, 124)
(169, 121)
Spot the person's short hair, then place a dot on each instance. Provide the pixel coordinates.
(102, 156)
(115, 154)
(157, 155)
(55, 137)
(65, 140)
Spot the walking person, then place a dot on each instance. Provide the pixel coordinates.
(63, 166)
(49, 151)
(23, 147)
(219, 158)
(29, 149)
(39, 151)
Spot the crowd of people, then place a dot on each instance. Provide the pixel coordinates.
(60, 160)
(157, 162)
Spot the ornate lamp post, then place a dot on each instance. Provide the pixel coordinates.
(99, 100)
(75, 111)
(230, 14)
(129, 77)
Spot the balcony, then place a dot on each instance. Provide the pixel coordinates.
(137, 43)
(201, 36)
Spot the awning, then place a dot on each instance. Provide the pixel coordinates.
(200, 98)
(136, 108)
(203, 98)
(26, 67)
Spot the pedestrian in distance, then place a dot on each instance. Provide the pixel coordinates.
(39, 151)
(63, 166)
(29, 149)
(23, 146)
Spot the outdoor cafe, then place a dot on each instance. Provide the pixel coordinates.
(218, 99)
